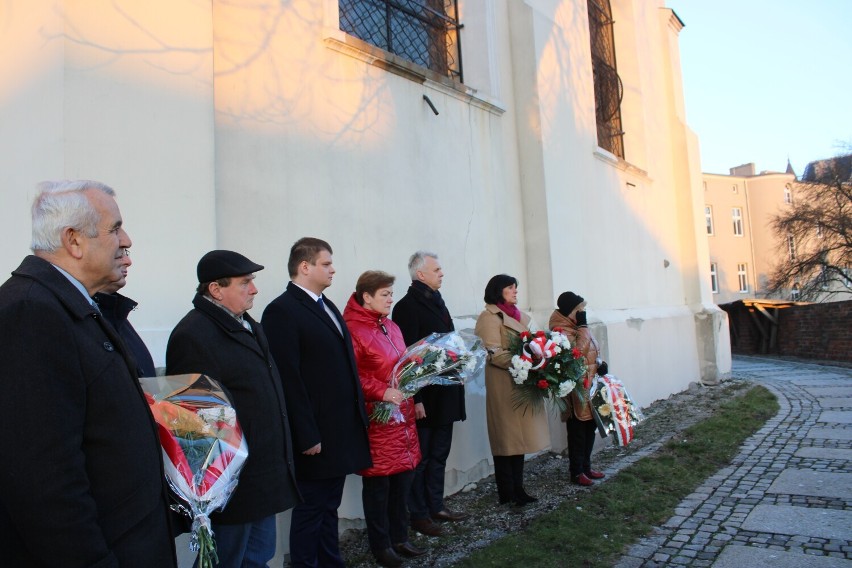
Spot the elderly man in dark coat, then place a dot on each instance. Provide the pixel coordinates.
(115, 308)
(84, 484)
(421, 312)
(312, 346)
(220, 339)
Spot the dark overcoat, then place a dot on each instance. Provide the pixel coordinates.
(208, 340)
(115, 308)
(418, 316)
(321, 383)
(82, 483)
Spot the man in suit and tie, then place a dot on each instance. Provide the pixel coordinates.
(312, 347)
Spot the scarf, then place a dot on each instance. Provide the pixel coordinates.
(434, 297)
(510, 309)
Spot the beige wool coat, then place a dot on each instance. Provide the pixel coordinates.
(511, 431)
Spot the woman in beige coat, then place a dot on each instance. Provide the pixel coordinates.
(580, 422)
(512, 431)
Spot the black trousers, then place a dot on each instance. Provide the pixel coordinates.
(313, 525)
(581, 440)
(509, 476)
(385, 511)
(427, 489)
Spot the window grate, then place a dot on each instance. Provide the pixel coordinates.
(609, 89)
(425, 32)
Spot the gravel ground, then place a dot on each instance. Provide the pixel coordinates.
(546, 477)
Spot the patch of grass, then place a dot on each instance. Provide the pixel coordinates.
(594, 528)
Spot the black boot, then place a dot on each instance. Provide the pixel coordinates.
(521, 496)
(503, 477)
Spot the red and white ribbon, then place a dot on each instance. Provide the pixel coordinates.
(620, 409)
(540, 349)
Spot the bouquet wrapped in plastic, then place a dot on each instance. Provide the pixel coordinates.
(615, 412)
(203, 449)
(545, 367)
(439, 359)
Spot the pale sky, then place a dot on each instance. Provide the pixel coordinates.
(765, 80)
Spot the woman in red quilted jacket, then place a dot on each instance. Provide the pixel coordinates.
(394, 446)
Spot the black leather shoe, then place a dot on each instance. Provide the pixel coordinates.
(387, 557)
(523, 497)
(427, 527)
(408, 549)
(447, 515)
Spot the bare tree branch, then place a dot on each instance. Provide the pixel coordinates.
(818, 225)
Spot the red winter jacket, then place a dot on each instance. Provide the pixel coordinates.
(394, 447)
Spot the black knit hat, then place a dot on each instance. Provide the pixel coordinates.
(567, 302)
(218, 264)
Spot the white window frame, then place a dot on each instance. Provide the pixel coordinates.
(737, 219)
(795, 292)
(788, 195)
(742, 277)
(791, 246)
(708, 219)
(714, 277)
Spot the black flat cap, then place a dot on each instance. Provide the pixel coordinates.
(568, 301)
(223, 264)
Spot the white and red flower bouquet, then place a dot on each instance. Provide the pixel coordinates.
(439, 359)
(545, 367)
(614, 410)
(203, 449)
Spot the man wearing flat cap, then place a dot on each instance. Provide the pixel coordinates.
(220, 339)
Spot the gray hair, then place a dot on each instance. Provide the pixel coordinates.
(62, 204)
(417, 260)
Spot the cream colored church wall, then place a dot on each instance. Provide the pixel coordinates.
(312, 141)
(615, 231)
(117, 93)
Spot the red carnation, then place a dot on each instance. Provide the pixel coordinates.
(558, 330)
(576, 353)
(452, 356)
(525, 335)
(542, 384)
(539, 333)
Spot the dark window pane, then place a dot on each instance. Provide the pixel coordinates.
(425, 32)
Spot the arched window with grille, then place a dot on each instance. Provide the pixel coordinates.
(608, 88)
